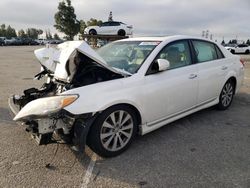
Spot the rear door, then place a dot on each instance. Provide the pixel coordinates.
(114, 27)
(104, 28)
(212, 69)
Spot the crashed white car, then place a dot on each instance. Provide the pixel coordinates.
(127, 87)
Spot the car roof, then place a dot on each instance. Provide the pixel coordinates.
(165, 38)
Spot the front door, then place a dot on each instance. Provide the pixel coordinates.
(173, 91)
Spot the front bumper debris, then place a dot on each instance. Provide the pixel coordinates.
(70, 128)
(41, 131)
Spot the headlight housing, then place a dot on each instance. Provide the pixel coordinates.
(44, 106)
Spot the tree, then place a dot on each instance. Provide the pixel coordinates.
(2, 30)
(21, 33)
(66, 21)
(234, 41)
(33, 33)
(223, 42)
(10, 32)
(248, 42)
(56, 37)
(48, 35)
(40, 32)
(93, 22)
(82, 27)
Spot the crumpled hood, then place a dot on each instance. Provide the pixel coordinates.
(55, 58)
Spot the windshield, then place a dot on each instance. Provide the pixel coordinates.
(127, 55)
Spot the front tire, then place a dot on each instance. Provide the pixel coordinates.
(226, 95)
(232, 51)
(113, 131)
(247, 51)
(92, 32)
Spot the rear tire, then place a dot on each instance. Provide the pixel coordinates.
(121, 32)
(113, 131)
(232, 51)
(226, 95)
(247, 51)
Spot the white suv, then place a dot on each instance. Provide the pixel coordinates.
(110, 28)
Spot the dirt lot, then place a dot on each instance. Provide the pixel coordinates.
(207, 149)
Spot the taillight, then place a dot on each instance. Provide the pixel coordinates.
(242, 62)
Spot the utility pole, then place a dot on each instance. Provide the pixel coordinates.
(110, 19)
(207, 34)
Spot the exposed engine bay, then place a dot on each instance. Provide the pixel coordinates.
(81, 70)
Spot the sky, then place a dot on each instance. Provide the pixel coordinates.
(223, 18)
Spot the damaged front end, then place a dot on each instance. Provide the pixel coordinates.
(47, 121)
(68, 66)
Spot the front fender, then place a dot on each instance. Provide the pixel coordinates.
(98, 97)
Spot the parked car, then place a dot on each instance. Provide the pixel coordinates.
(241, 48)
(54, 41)
(11, 41)
(39, 41)
(42, 41)
(29, 41)
(127, 87)
(110, 28)
(2, 41)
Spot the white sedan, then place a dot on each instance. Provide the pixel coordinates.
(128, 87)
(239, 49)
(110, 28)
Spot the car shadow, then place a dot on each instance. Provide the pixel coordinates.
(186, 152)
(6, 116)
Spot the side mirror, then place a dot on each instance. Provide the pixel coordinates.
(163, 64)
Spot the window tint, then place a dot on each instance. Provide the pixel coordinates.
(105, 24)
(177, 53)
(204, 51)
(114, 23)
(242, 45)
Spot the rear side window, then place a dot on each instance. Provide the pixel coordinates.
(104, 24)
(114, 23)
(206, 51)
(242, 45)
(219, 53)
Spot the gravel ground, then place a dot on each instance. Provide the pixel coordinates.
(207, 149)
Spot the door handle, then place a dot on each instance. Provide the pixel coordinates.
(192, 76)
(224, 68)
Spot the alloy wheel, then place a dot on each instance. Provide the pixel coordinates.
(117, 130)
(227, 94)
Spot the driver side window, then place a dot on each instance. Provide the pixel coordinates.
(177, 53)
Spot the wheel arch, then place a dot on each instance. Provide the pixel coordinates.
(92, 30)
(234, 80)
(133, 107)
